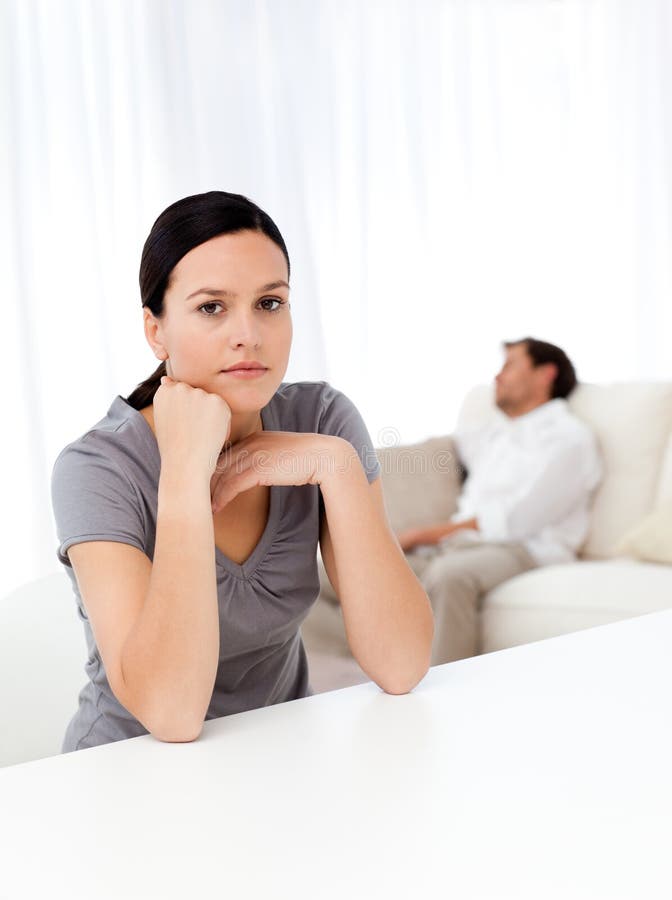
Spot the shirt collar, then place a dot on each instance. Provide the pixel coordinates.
(549, 411)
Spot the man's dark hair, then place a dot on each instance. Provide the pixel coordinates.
(541, 352)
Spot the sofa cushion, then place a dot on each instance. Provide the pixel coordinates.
(650, 539)
(664, 487)
(421, 482)
(632, 423)
(557, 599)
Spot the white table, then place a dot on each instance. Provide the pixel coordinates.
(544, 771)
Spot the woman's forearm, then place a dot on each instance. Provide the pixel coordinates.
(387, 614)
(170, 658)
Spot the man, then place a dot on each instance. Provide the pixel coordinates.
(531, 474)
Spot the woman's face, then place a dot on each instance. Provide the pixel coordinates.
(227, 301)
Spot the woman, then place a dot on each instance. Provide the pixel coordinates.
(189, 516)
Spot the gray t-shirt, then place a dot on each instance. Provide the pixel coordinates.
(104, 487)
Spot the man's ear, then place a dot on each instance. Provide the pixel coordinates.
(550, 371)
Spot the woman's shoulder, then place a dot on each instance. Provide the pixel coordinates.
(100, 482)
(117, 441)
(301, 390)
(299, 405)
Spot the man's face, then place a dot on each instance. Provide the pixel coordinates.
(519, 385)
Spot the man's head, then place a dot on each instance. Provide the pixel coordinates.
(533, 373)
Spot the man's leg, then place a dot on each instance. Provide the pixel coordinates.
(456, 578)
(325, 620)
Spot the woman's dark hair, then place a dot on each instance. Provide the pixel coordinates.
(541, 352)
(181, 227)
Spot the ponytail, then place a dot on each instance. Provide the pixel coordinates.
(143, 394)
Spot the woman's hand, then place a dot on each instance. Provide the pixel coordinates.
(276, 457)
(191, 426)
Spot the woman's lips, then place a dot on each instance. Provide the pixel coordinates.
(245, 373)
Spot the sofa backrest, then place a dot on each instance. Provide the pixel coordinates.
(421, 482)
(633, 426)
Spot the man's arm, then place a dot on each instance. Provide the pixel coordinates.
(560, 483)
(432, 534)
(563, 479)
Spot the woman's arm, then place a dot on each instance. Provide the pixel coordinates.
(170, 658)
(387, 614)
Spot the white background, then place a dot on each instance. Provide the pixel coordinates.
(446, 175)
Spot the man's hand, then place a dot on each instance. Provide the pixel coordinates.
(412, 537)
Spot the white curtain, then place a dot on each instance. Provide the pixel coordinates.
(447, 175)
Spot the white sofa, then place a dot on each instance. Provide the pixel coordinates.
(612, 578)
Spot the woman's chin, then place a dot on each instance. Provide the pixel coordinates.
(246, 400)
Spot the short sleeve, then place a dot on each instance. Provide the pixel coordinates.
(93, 500)
(341, 418)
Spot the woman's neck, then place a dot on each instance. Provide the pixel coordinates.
(243, 425)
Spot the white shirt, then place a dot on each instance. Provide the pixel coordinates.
(530, 479)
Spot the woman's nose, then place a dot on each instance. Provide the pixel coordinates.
(244, 330)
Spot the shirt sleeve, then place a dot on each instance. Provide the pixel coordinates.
(93, 500)
(469, 442)
(341, 418)
(464, 440)
(562, 481)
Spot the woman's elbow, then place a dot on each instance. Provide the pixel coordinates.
(177, 739)
(182, 735)
(404, 682)
(404, 686)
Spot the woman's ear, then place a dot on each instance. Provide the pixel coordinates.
(152, 333)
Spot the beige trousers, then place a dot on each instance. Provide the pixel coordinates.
(456, 574)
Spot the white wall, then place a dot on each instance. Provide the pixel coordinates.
(446, 175)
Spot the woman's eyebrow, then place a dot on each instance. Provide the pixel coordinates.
(219, 292)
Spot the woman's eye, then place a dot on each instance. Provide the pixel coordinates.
(273, 300)
(204, 306)
(208, 304)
